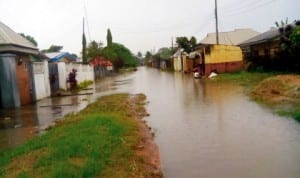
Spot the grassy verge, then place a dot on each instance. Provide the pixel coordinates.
(244, 78)
(294, 114)
(100, 141)
(268, 88)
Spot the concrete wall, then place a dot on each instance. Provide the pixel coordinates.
(177, 63)
(187, 64)
(223, 58)
(84, 72)
(223, 53)
(41, 80)
(9, 90)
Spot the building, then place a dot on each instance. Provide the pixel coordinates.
(225, 56)
(17, 77)
(265, 50)
(65, 57)
(102, 66)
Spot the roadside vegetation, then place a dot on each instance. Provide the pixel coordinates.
(107, 139)
(277, 90)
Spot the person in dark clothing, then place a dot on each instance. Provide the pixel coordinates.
(72, 79)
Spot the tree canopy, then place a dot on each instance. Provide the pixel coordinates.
(109, 38)
(84, 57)
(186, 44)
(53, 48)
(29, 38)
(119, 55)
(94, 49)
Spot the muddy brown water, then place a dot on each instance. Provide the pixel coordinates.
(203, 129)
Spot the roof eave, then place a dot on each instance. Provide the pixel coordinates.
(17, 48)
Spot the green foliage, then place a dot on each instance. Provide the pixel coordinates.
(119, 55)
(295, 40)
(139, 54)
(29, 38)
(97, 142)
(186, 44)
(295, 114)
(281, 23)
(94, 49)
(84, 57)
(53, 48)
(84, 84)
(109, 38)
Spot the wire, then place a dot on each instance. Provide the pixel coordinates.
(244, 10)
(87, 22)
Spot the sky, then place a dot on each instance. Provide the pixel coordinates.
(140, 25)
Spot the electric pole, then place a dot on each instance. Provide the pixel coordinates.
(217, 28)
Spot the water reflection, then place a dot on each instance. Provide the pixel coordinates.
(18, 125)
(203, 129)
(210, 129)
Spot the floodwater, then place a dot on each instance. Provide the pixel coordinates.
(18, 125)
(202, 128)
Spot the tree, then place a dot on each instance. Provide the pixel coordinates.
(282, 23)
(186, 44)
(84, 58)
(139, 54)
(148, 55)
(94, 49)
(29, 38)
(109, 38)
(53, 48)
(119, 55)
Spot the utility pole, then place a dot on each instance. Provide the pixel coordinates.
(172, 44)
(217, 28)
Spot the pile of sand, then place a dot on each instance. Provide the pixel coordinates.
(278, 89)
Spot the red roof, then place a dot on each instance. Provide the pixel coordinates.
(100, 61)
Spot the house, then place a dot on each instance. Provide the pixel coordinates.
(102, 66)
(225, 56)
(265, 50)
(65, 57)
(17, 72)
(177, 60)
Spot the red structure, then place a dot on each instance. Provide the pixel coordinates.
(100, 61)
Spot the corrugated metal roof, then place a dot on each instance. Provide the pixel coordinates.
(230, 38)
(56, 56)
(11, 41)
(266, 36)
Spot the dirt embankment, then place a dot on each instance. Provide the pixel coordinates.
(146, 148)
(278, 89)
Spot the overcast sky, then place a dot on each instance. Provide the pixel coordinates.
(140, 25)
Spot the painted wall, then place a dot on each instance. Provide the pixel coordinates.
(41, 80)
(187, 64)
(223, 53)
(9, 90)
(23, 79)
(177, 63)
(223, 58)
(84, 72)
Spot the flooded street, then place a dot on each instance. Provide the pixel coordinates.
(203, 129)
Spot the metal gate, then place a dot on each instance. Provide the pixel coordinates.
(53, 77)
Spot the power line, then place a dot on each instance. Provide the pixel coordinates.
(247, 9)
(87, 22)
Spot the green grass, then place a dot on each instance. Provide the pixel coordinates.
(294, 114)
(244, 78)
(84, 84)
(251, 80)
(97, 142)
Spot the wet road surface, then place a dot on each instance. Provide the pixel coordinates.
(203, 129)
